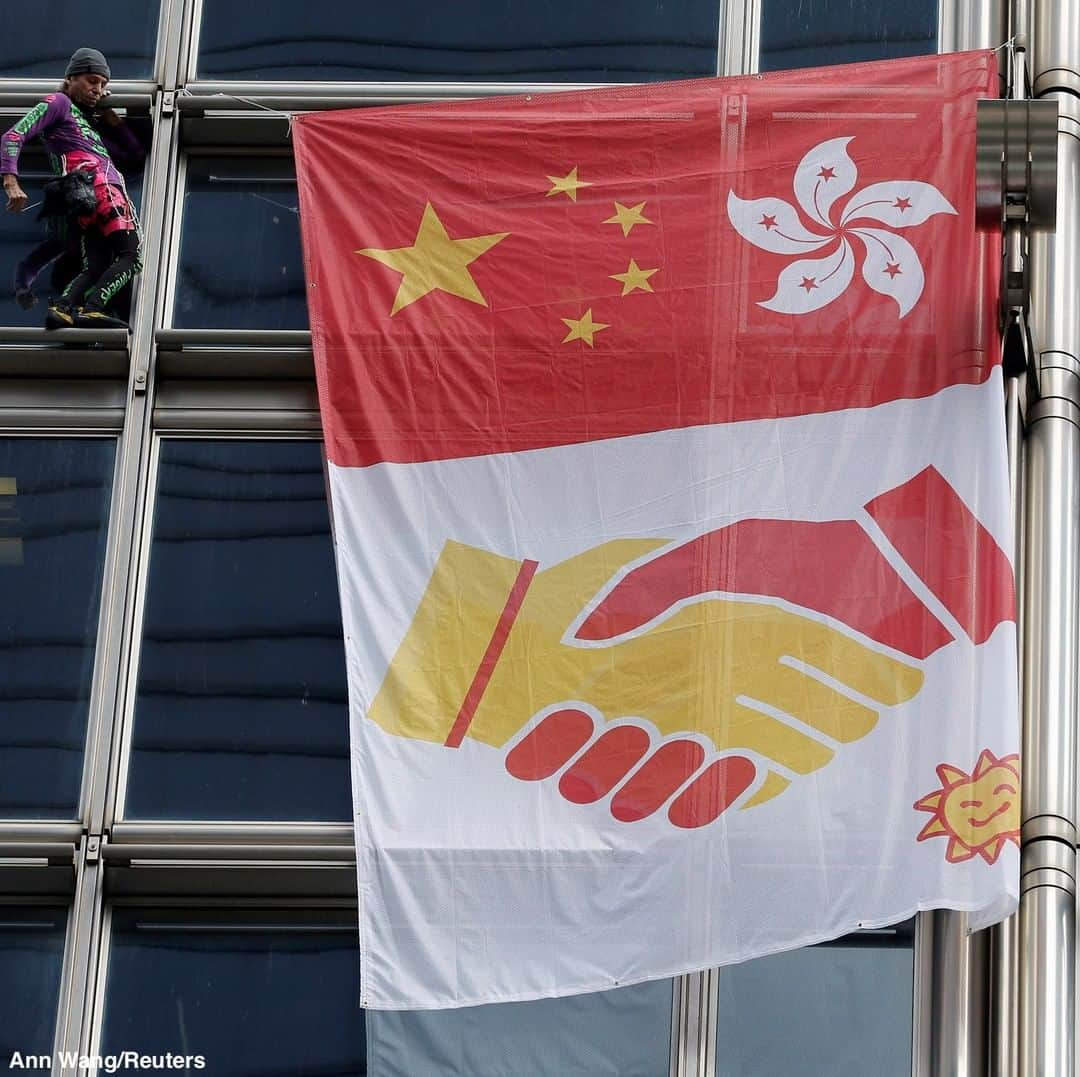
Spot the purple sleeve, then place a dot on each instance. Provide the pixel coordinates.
(38, 120)
(28, 269)
(124, 147)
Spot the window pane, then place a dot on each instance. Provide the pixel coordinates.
(492, 40)
(252, 1000)
(240, 264)
(22, 236)
(31, 958)
(814, 33)
(845, 1010)
(54, 507)
(624, 1033)
(48, 33)
(241, 707)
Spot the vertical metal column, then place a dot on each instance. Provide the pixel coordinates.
(957, 995)
(1052, 539)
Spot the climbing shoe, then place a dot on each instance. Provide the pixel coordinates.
(88, 318)
(59, 317)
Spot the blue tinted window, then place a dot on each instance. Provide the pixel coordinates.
(54, 508)
(842, 1010)
(22, 237)
(623, 1033)
(46, 34)
(240, 265)
(31, 957)
(815, 33)
(241, 708)
(249, 998)
(492, 40)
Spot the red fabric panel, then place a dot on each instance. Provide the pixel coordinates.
(831, 567)
(446, 376)
(937, 534)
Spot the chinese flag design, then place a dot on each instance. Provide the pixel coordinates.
(570, 270)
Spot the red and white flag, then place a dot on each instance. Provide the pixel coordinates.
(667, 465)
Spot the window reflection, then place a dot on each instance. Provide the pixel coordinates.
(250, 998)
(240, 265)
(815, 33)
(241, 707)
(844, 1009)
(54, 505)
(623, 1033)
(31, 957)
(46, 34)
(492, 40)
(22, 234)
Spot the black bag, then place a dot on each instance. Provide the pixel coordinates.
(71, 195)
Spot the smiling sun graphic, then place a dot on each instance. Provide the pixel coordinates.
(977, 812)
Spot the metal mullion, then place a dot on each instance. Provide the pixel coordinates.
(80, 963)
(63, 999)
(740, 36)
(132, 645)
(250, 834)
(173, 239)
(693, 995)
(95, 999)
(160, 189)
(170, 34)
(193, 26)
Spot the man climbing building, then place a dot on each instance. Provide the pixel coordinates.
(93, 188)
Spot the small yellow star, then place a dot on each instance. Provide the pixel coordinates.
(628, 216)
(567, 185)
(635, 278)
(435, 262)
(583, 328)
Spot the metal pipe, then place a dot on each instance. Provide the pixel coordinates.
(965, 25)
(952, 1039)
(1047, 920)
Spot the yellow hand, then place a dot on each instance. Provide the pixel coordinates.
(700, 670)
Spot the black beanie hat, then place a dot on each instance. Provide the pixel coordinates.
(87, 62)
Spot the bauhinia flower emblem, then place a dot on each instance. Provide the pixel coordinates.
(890, 264)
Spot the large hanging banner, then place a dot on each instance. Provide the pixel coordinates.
(667, 463)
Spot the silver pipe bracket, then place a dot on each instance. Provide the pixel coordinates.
(1016, 191)
(1016, 163)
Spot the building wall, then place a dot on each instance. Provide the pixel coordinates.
(176, 867)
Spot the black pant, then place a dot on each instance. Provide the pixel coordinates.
(109, 263)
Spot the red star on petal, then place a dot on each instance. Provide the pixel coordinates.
(767, 221)
(808, 283)
(902, 204)
(827, 173)
(893, 268)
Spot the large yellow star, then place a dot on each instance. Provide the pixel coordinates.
(628, 216)
(635, 278)
(435, 262)
(567, 185)
(583, 328)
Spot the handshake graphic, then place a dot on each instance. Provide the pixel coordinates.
(686, 675)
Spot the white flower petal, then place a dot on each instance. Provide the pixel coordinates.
(825, 174)
(772, 224)
(892, 267)
(897, 203)
(811, 283)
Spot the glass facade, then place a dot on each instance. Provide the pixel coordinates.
(241, 705)
(173, 704)
(474, 40)
(31, 961)
(247, 995)
(54, 510)
(239, 265)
